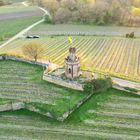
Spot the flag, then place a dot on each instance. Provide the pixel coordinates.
(70, 40)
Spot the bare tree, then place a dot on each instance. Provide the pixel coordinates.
(33, 50)
(51, 5)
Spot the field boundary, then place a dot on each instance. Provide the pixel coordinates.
(7, 57)
(12, 106)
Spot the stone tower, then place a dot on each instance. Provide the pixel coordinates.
(72, 64)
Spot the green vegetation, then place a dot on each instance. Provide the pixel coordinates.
(5, 101)
(107, 115)
(23, 82)
(97, 85)
(8, 30)
(97, 12)
(108, 55)
(15, 9)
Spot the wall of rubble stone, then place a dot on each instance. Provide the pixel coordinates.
(12, 106)
(7, 57)
(63, 83)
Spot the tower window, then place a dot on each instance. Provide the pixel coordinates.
(69, 70)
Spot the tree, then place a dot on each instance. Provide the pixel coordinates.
(63, 15)
(33, 50)
(1, 2)
(51, 5)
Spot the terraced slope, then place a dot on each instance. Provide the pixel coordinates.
(23, 82)
(110, 115)
(115, 56)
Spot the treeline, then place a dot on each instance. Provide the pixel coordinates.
(100, 12)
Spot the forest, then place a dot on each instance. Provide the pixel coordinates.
(99, 12)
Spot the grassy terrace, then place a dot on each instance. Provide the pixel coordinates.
(109, 115)
(23, 82)
(113, 55)
(6, 101)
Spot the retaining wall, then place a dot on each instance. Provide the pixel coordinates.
(63, 83)
(12, 106)
(6, 57)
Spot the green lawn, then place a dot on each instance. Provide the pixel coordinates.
(108, 115)
(23, 82)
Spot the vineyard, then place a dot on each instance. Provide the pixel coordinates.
(23, 82)
(115, 56)
(109, 115)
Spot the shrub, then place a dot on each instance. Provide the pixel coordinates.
(97, 85)
(48, 19)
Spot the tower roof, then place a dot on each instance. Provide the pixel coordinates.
(72, 50)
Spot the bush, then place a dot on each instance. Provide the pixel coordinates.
(97, 85)
(48, 19)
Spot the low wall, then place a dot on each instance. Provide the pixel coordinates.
(12, 106)
(6, 57)
(63, 83)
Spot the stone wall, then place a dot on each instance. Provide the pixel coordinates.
(12, 106)
(7, 57)
(63, 83)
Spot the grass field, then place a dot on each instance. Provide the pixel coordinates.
(116, 56)
(13, 19)
(23, 82)
(109, 115)
(16, 8)
(8, 30)
(68, 29)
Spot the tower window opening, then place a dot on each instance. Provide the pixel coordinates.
(69, 70)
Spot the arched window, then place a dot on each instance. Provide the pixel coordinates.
(69, 70)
